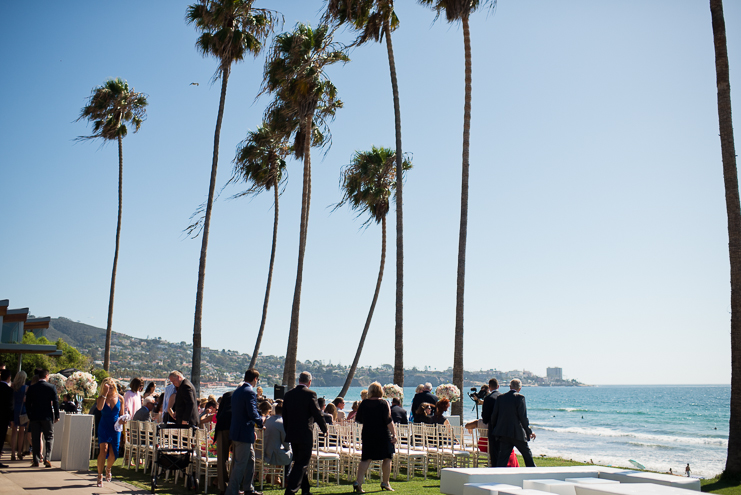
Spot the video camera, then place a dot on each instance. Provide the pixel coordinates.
(478, 395)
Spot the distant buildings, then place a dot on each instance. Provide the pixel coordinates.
(554, 373)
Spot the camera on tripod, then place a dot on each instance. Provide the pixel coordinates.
(478, 396)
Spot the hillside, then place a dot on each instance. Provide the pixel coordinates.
(153, 358)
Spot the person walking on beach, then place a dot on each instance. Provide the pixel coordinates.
(687, 470)
(511, 426)
(242, 434)
(42, 406)
(300, 413)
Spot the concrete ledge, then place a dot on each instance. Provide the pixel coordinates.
(453, 479)
(629, 489)
(627, 476)
(487, 488)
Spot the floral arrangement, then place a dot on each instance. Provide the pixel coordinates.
(59, 381)
(449, 391)
(393, 391)
(81, 383)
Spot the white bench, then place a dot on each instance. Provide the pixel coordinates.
(592, 481)
(628, 489)
(559, 487)
(628, 476)
(487, 488)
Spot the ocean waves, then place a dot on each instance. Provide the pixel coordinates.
(581, 410)
(646, 438)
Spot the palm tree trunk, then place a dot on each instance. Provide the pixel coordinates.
(195, 374)
(109, 326)
(351, 373)
(733, 209)
(253, 361)
(289, 368)
(457, 408)
(399, 329)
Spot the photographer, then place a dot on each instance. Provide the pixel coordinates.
(487, 410)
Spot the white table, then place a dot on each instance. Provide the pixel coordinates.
(78, 434)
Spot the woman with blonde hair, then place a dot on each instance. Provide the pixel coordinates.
(109, 404)
(19, 409)
(379, 436)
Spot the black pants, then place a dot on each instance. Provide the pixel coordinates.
(492, 448)
(37, 429)
(505, 449)
(297, 477)
(4, 423)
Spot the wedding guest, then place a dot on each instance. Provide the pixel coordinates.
(42, 405)
(208, 415)
(109, 404)
(328, 419)
(441, 408)
(331, 411)
(423, 414)
(166, 405)
(242, 432)
(488, 408)
(265, 410)
(277, 451)
(20, 418)
(149, 391)
(378, 436)
(186, 406)
(221, 437)
(68, 405)
(6, 407)
(363, 395)
(398, 413)
(132, 399)
(425, 396)
(511, 426)
(157, 412)
(353, 411)
(145, 411)
(339, 403)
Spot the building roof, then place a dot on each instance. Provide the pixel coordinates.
(15, 315)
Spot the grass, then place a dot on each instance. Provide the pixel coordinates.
(416, 486)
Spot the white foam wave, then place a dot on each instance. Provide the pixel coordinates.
(654, 439)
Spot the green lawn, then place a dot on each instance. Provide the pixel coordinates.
(416, 486)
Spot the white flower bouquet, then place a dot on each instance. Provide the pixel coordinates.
(393, 391)
(59, 381)
(449, 391)
(81, 383)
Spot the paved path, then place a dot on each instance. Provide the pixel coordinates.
(20, 478)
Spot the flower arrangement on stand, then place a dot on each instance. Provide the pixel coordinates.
(449, 391)
(82, 384)
(393, 391)
(60, 382)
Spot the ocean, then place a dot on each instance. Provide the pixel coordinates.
(659, 426)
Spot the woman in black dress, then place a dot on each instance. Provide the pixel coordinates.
(379, 436)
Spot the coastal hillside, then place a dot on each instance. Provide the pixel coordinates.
(155, 358)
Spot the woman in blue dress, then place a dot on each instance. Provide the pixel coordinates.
(109, 405)
(18, 430)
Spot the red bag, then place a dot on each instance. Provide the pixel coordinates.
(512, 462)
(483, 444)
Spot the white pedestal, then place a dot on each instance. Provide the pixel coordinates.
(58, 429)
(549, 485)
(78, 433)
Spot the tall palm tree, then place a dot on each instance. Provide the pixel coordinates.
(367, 184)
(733, 210)
(230, 30)
(294, 74)
(376, 19)
(460, 11)
(110, 108)
(261, 162)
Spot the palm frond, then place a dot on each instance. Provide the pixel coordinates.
(111, 107)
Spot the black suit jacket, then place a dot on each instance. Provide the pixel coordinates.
(399, 415)
(488, 409)
(224, 414)
(6, 403)
(300, 412)
(186, 405)
(41, 402)
(510, 417)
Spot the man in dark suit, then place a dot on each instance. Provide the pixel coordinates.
(484, 422)
(223, 443)
(398, 413)
(242, 434)
(42, 407)
(6, 406)
(425, 396)
(186, 404)
(300, 412)
(511, 426)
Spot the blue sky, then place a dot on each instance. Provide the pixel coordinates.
(597, 227)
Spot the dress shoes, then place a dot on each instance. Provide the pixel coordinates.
(3, 466)
(47, 464)
(34, 464)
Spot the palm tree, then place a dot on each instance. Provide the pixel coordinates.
(376, 19)
(367, 184)
(260, 161)
(294, 73)
(110, 108)
(460, 11)
(230, 30)
(733, 209)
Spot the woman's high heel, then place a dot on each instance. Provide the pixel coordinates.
(100, 481)
(387, 487)
(108, 476)
(357, 488)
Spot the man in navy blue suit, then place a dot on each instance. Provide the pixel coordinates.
(242, 433)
